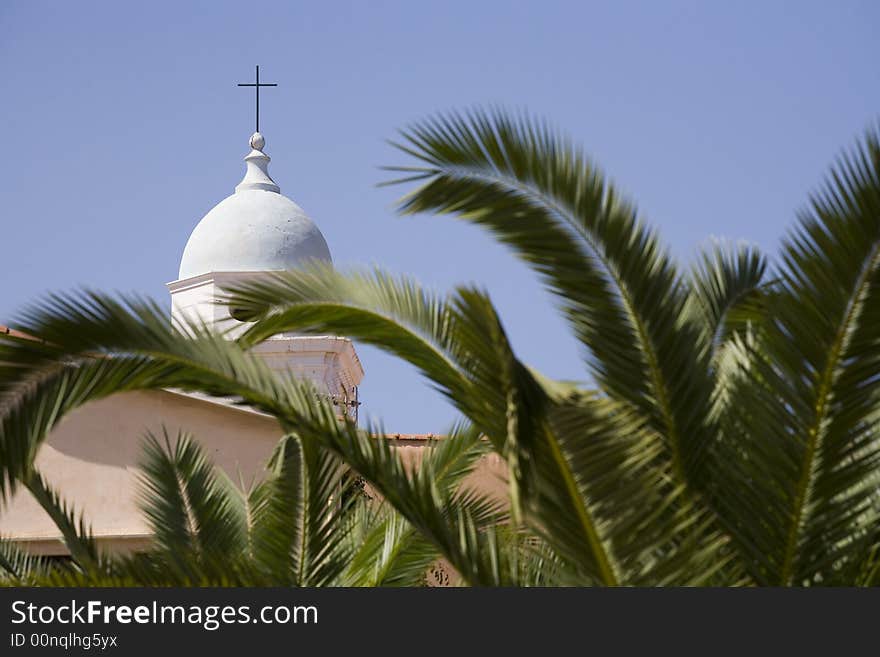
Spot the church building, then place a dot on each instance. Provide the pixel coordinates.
(92, 456)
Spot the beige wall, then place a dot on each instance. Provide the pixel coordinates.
(92, 458)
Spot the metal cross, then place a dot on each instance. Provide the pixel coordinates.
(257, 85)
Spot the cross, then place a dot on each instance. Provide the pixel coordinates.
(257, 85)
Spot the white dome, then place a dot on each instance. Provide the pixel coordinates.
(255, 229)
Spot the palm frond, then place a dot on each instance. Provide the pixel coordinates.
(460, 526)
(512, 408)
(90, 346)
(458, 343)
(19, 567)
(84, 337)
(394, 313)
(190, 512)
(323, 550)
(391, 552)
(275, 512)
(622, 294)
(726, 290)
(800, 452)
(650, 532)
(73, 526)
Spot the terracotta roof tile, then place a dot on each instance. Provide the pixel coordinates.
(5, 330)
(413, 436)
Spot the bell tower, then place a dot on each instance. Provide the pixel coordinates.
(251, 233)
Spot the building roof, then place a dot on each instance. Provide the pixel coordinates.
(256, 229)
(5, 330)
(420, 437)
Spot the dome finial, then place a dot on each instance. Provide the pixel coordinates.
(257, 141)
(257, 174)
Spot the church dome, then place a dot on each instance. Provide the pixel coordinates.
(255, 229)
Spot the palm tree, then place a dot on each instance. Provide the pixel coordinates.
(729, 437)
(300, 525)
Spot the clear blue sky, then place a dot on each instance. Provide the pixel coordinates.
(122, 126)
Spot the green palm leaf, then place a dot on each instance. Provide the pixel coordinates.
(513, 408)
(190, 511)
(392, 552)
(617, 286)
(727, 289)
(73, 527)
(85, 338)
(91, 346)
(724, 400)
(19, 567)
(801, 448)
(459, 526)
